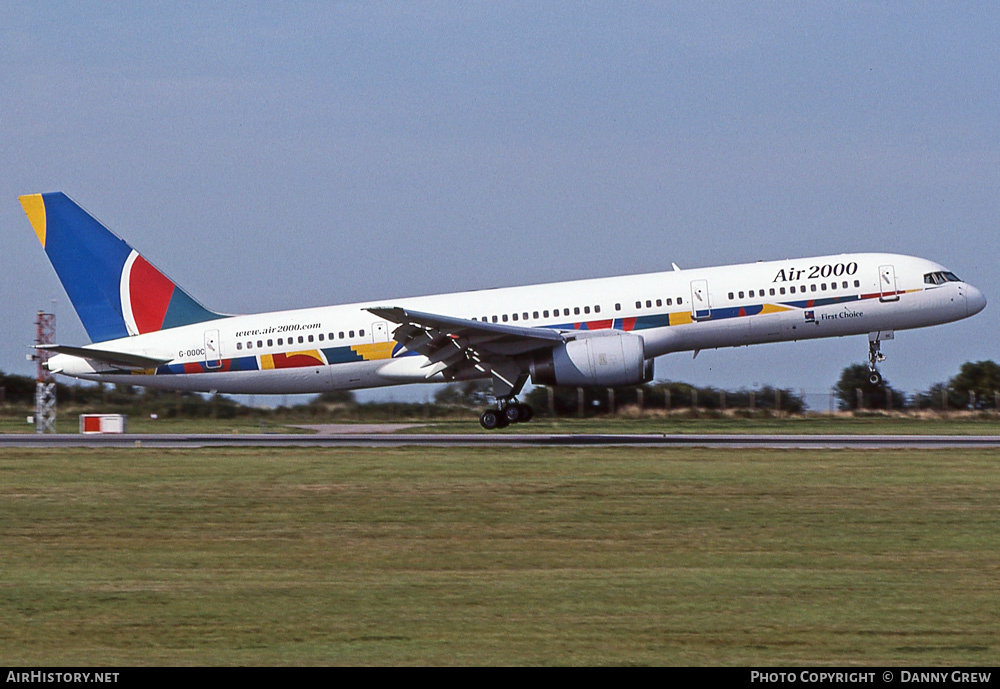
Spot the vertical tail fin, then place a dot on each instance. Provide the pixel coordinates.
(115, 291)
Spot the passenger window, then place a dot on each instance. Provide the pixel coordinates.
(504, 318)
(586, 309)
(545, 313)
(670, 301)
(772, 291)
(679, 300)
(638, 305)
(270, 343)
(494, 319)
(311, 337)
(576, 310)
(349, 332)
(857, 283)
(341, 334)
(260, 343)
(524, 316)
(239, 345)
(812, 287)
(514, 316)
(565, 312)
(792, 289)
(751, 294)
(534, 314)
(300, 338)
(618, 307)
(597, 309)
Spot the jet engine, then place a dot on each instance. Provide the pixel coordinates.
(601, 361)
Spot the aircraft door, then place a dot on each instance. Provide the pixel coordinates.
(701, 309)
(380, 332)
(213, 357)
(887, 284)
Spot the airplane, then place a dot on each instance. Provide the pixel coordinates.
(605, 332)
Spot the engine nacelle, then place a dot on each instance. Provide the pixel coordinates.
(603, 361)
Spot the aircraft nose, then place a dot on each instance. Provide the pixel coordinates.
(974, 300)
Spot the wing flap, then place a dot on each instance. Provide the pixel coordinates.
(458, 347)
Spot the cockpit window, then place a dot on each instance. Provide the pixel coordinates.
(940, 278)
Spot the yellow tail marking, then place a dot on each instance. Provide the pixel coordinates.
(34, 207)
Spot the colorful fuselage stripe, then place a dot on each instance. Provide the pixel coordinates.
(387, 350)
(285, 360)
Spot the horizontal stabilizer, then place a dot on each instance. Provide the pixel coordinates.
(105, 356)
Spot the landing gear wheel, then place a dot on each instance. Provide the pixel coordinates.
(490, 419)
(508, 411)
(525, 413)
(875, 378)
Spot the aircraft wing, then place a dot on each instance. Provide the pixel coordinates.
(105, 356)
(455, 346)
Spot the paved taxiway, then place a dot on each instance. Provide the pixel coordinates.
(180, 440)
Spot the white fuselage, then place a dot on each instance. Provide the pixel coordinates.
(347, 347)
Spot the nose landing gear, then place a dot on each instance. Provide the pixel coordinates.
(875, 355)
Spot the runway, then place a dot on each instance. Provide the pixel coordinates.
(179, 440)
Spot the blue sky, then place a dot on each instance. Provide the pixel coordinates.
(275, 155)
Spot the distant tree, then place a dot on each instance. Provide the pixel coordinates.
(566, 401)
(17, 389)
(469, 393)
(878, 396)
(670, 395)
(981, 378)
(938, 396)
(345, 397)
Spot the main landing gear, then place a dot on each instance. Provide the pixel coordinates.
(875, 356)
(508, 411)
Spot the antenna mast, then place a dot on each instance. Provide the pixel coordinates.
(45, 385)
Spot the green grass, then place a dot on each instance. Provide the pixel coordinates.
(499, 556)
(955, 423)
(878, 424)
(70, 423)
